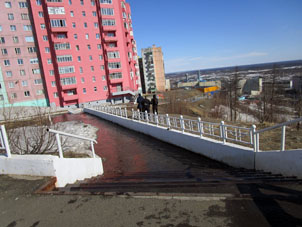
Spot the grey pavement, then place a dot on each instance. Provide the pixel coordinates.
(20, 206)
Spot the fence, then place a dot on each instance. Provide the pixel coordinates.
(58, 133)
(4, 141)
(220, 131)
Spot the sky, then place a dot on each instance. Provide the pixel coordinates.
(202, 34)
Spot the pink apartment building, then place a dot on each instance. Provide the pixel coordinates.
(86, 50)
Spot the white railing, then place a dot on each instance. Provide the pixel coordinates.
(220, 131)
(58, 133)
(4, 145)
(283, 133)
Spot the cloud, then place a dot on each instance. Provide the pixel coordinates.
(191, 63)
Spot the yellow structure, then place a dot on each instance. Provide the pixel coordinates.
(208, 89)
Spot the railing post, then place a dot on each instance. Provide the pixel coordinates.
(222, 133)
(139, 115)
(182, 124)
(254, 137)
(283, 138)
(5, 141)
(120, 109)
(126, 113)
(156, 119)
(200, 127)
(132, 112)
(59, 145)
(92, 149)
(168, 121)
(146, 116)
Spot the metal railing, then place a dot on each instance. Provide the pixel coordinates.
(58, 133)
(283, 133)
(4, 145)
(220, 131)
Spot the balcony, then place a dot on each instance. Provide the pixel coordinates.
(116, 81)
(69, 86)
(109, 28)
(59, 29)
(67, 97)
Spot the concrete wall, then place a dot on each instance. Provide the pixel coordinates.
(287, 163)
(231, 154)
(66, 170)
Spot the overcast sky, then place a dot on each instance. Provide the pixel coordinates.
(201, 34)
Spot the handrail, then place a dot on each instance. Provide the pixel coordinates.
(279, 125)
(58, 133)
(4, 141)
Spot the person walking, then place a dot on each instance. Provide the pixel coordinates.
(146, 105)
(154, 102)
(139, 101)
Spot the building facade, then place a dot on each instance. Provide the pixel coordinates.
(85, 49)
(153, 70)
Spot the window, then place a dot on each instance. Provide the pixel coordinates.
(17, 50)
(99, 46)
(85, 25)
(47, 50)
(107, 11)
(6, 62)
(2, 40)
(83, 13)
(8, 5)
(84, 90)
(66, 69)
(62, 46)
(29, 39)
(88, 47)
(87, 36)
(92, 3)
(24, 16)
(68, 80)
(73, 24)
(13, 96)
(36, 71)
(10, 16)
(22, 5)
(61, 36)
(92, 68)
(108, 22)
(53, 83)
(102, 67)
(54, 0)
(56, 10)
(106, 1)
(4, 51)
(26, 93)
(114, 65)
(42, 26)
(13, 28)
(105, 88)
(55, 95)
(75, 36)
(96, 24)
(64, 58)
(94, 13)
(77, 47)
(40, 14)
(27, 28)
(71, 13)
(40, 92)
(101, 57)
(110, 34)
(113, 54)
(34, 61)
(90, 57)
(81, 70)
(82, 2)
(38, 81)
(93, 79)
(49, 61)
(9, 73)
(95, 89)
(22, 72)
(51, 72)
(112, 45)
(11, 84)
(69, 2)
(83, 80)
(0, 28)
(38, 2)
(117, 75)
(56, 23)
(103, 78)
(15, 39)
(24, 83)
(45, 37)
(124, 15)
(79, 58)
(31, 49)
(97, 36)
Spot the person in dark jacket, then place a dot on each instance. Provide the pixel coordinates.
(139, 101)
(154, 102)
(146, 105)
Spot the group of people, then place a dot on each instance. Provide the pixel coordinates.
(143, 104)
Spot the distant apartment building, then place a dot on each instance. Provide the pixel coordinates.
(297, 83)
(83, 52)
(153, 70)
